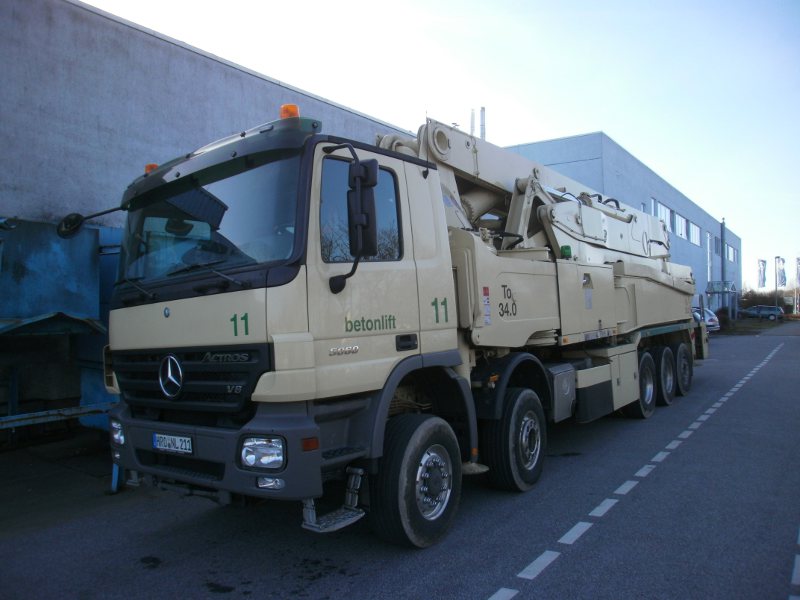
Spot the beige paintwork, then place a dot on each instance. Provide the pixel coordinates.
(584, 266)
(617, 364)
(501, 298)
(570, 268)
(202, 321)
(397, 294)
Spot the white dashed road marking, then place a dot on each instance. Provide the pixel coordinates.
(602, 508)
(503, 594)
(575, 533)
(659, 457)
(540, 564)
(626, 487)
(546, 558)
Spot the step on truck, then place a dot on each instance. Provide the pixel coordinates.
(295, 309)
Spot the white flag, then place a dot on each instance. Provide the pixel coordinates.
(781, 270)
(797, 275)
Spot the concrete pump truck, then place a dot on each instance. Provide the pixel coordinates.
(295, 308)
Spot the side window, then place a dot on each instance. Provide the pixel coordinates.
(335, 240)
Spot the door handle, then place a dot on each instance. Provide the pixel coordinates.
(406, 342)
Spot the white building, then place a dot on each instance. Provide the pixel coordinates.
(696, 238)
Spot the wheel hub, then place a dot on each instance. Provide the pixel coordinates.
(433, 485)
(529, 440)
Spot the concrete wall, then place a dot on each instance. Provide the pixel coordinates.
(88, 99)
(599, 162)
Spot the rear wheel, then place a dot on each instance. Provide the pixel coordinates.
(415, 495)
(514, 445)
(644, 407)
(684, 368)
(665, 373)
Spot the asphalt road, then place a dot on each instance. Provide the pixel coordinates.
(700, 501)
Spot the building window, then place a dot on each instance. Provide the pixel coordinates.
(665, 214)
(335, 236)
(694, 234)
(680, 226)
(717, 246)
(709, 254)
(731, 253)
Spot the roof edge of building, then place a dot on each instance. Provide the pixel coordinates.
(223, 61)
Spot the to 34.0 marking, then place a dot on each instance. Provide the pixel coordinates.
(507, 306)
(236, 319)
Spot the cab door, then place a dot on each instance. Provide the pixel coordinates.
(361, 333)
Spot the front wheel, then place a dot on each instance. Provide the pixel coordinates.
(513, 447)
(416, 492)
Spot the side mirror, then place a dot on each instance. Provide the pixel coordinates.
(72, 223)
(363, 229)
(361, 217)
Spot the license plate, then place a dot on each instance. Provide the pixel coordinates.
(172, 443)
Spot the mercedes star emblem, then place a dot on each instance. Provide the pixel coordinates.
(170, 376)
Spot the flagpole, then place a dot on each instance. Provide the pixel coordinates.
(776, 281)
(797, 286)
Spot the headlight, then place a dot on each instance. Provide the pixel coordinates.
(263, 453)
(116, 432)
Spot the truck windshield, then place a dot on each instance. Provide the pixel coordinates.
(229, 216)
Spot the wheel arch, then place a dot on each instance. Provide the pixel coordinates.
(518, 369)
(451, 396)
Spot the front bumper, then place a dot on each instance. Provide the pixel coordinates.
(215, 459)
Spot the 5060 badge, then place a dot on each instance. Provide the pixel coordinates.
(343, 350)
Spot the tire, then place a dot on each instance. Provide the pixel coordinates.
(415, 494)
(513, 447)
(646, 405)
(684, 368)
(665, 375)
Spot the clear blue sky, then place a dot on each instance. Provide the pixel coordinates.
(705, 93)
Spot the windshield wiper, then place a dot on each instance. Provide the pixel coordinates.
(194, 266)
(207, 267)
(147, 293)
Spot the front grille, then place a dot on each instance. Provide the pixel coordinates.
(214, 380)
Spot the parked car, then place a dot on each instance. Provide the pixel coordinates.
(748, 313)
(711, 320)
(762, 311)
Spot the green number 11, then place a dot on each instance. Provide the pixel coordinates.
(235, 320)
(435, 304)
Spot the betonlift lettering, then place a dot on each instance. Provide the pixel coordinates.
(382, 323)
